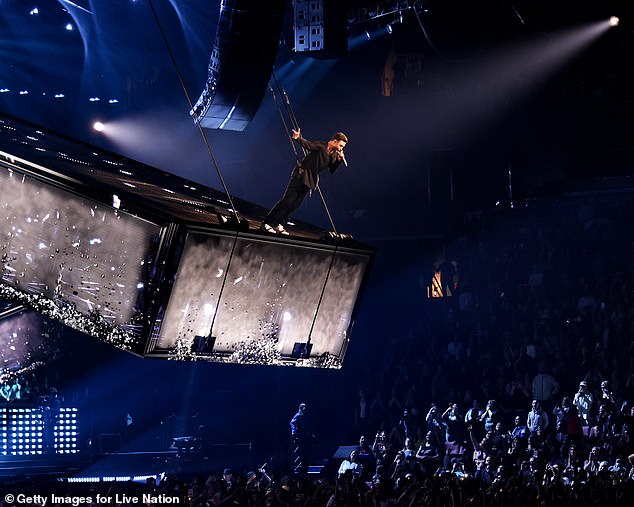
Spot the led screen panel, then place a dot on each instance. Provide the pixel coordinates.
(257, 299)
(73, 251)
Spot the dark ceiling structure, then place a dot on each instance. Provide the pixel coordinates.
(443, 106)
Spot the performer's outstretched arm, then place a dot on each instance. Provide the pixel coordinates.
(309, 145)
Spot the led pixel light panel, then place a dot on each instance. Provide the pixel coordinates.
(36, 430)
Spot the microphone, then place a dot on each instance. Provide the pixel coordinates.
(343, 158)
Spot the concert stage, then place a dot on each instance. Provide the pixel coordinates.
(122, 467)
(42, 440)
(163, 267)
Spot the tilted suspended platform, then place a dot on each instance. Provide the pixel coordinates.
(158, 265)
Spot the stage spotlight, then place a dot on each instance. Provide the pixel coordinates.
(614, 21)
(367, 35)
(98, 126)
(389, 28)
(69, 27)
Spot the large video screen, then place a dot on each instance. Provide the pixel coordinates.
(250, 293)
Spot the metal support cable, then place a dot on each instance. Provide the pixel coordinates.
(295, 126)
(191, 108)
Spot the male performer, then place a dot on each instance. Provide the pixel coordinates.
(305, 177)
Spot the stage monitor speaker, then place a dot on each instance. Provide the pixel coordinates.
(203, 345)
(301, 350)
(241, 62)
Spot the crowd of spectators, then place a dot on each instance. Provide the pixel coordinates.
(526, 374)
(515, 390)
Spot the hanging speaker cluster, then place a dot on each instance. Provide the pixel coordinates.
(241, 63)
(320, 28)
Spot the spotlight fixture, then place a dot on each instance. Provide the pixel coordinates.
(614, 21)
(389, 28)
(69, 27)
(98, 126)
(367, 35)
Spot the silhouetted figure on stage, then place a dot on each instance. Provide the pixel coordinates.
(11, 391)
(305, 177)
(301, 439)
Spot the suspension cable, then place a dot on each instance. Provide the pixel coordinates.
(295, 126)
(284, 123)
(191, 108)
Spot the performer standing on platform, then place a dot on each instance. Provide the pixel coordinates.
(305, 177)
(301, 437)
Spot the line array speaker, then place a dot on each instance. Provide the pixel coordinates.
(241, 62)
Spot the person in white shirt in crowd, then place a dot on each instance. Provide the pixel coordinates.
(537, 418)
(351, 464)
(583, 401)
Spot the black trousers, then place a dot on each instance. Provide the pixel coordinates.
(293, 197)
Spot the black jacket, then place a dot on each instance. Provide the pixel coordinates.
(315, 162)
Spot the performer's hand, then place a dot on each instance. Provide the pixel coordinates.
(297, 133)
